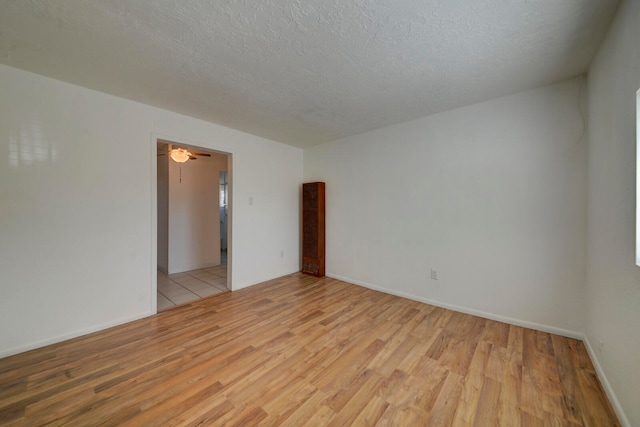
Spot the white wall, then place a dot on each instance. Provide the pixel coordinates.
(613, 286)
(78, 214)
(492, 196)
(194, 213)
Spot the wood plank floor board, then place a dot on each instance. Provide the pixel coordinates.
(372, 412)
(308, 409)
(474, 381)
(300, 350)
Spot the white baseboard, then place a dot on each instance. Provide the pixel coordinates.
(70, 335)
(191, 267)
(617, 407)
(466, 310)
(517, 322)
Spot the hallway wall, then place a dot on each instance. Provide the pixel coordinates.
(194, 213)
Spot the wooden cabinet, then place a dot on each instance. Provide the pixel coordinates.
(313, 228)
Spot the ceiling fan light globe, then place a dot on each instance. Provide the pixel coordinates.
(179, 155)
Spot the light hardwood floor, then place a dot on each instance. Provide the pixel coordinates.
(305, 351)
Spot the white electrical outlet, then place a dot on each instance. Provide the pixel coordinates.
(600, 346)
(434, 274)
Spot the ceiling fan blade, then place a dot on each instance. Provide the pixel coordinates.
(163, 154)
(202, 154)
(193, 158)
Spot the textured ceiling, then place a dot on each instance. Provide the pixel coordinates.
(304, 72)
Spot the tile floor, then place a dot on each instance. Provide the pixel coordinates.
(180, 288)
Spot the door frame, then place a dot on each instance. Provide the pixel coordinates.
(153, 151)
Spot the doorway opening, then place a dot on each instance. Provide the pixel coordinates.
(192, 219)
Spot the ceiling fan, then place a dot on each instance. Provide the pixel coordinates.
(181, 155)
